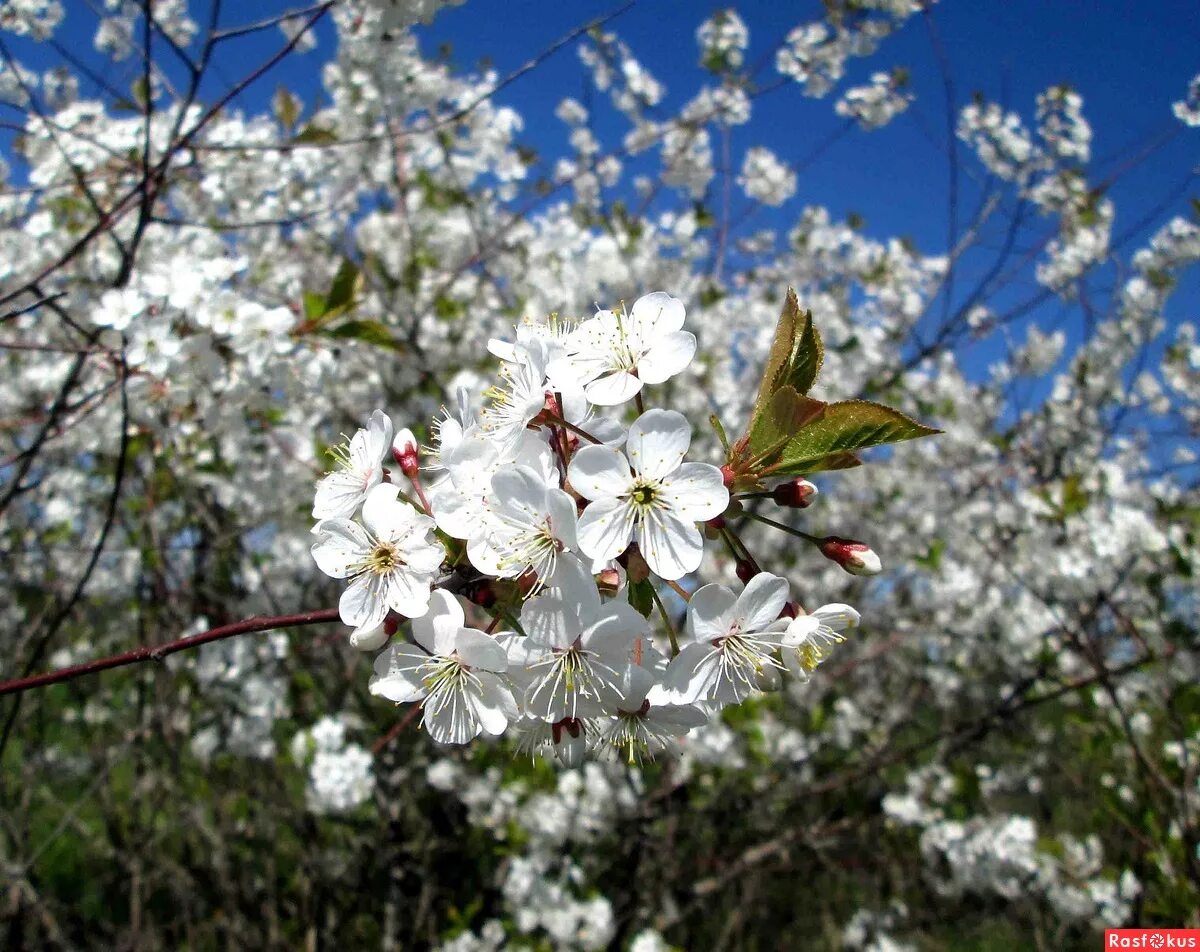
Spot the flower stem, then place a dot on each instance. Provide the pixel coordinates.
(662, 610)
(785, 528)
(578, 431)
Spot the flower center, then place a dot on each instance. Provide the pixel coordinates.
(384, 558)
(645, 496)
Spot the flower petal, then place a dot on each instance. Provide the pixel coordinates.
(341, 545)
(605, 528)
(363, 604)
(397, 674)
(599, 471)
(672, 547)
(761, 601)
(657, 442)
(667, 356)
(338, 495)
(710, 612)
(696, 492)
(613, 389)
(480, 651)
(657, 313)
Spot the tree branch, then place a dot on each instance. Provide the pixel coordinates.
(158, 652)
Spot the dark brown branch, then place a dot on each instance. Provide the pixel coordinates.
(158, 652)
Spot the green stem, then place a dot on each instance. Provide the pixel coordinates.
(662, 610)
(785, 528)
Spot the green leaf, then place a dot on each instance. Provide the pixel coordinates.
(345, 287)
(314, 135)
(775, 372)
(784, 416)
(369, 332)
(844, 427)
(807, 357)
(287, 107)
(314, 305)
(641, 596)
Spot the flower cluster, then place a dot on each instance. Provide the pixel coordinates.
(560, 521)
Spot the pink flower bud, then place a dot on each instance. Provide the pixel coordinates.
(857, 558)
(727, 476)
(795, 494)
(406, 454)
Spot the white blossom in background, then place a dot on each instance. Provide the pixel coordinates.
(1187, 110)
(723, 39)
(765, 178)
(876, 104)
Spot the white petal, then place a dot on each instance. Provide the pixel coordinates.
(761, 601)
(605, 528)
(657, 313)
(369, 639)
(710, 612)
(362, 604)
(599, 471)
(436, 629)
(338, 495)
(519, 494)
(613, 389)
(671, 546)
(494, 705)
(667, 357)
(377, 439)
(480, 651)
(657, 442)
(563, 517)
(407, 594)
(691, 674)
(341, 545)
(837, 616)
(696, 492)
(397, 676)
(613, 632)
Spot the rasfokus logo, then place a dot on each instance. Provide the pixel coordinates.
(1152, 939)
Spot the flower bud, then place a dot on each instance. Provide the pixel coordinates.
(406, 454)
(790, 610)
(728, 476)
(716, 522)
(482, 594)
(857, 558)
(795, 494)
(745, 570)
(609, 581)
(635, 564)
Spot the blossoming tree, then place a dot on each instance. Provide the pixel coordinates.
(573, 642)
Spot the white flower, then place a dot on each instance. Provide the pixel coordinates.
(575, 647)
(391, 562)
(529, 521)
(460, 502)
(733, 640)
(648, 492)
(809, 639)
(514, 405)
(456, 670)
(646, 721)
(360, 468)
(614, 354)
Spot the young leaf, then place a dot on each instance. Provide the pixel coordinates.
(345, 287)
(844, 427)
(369, 332)
(776, 369)
(807, 357)
(784, 416)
